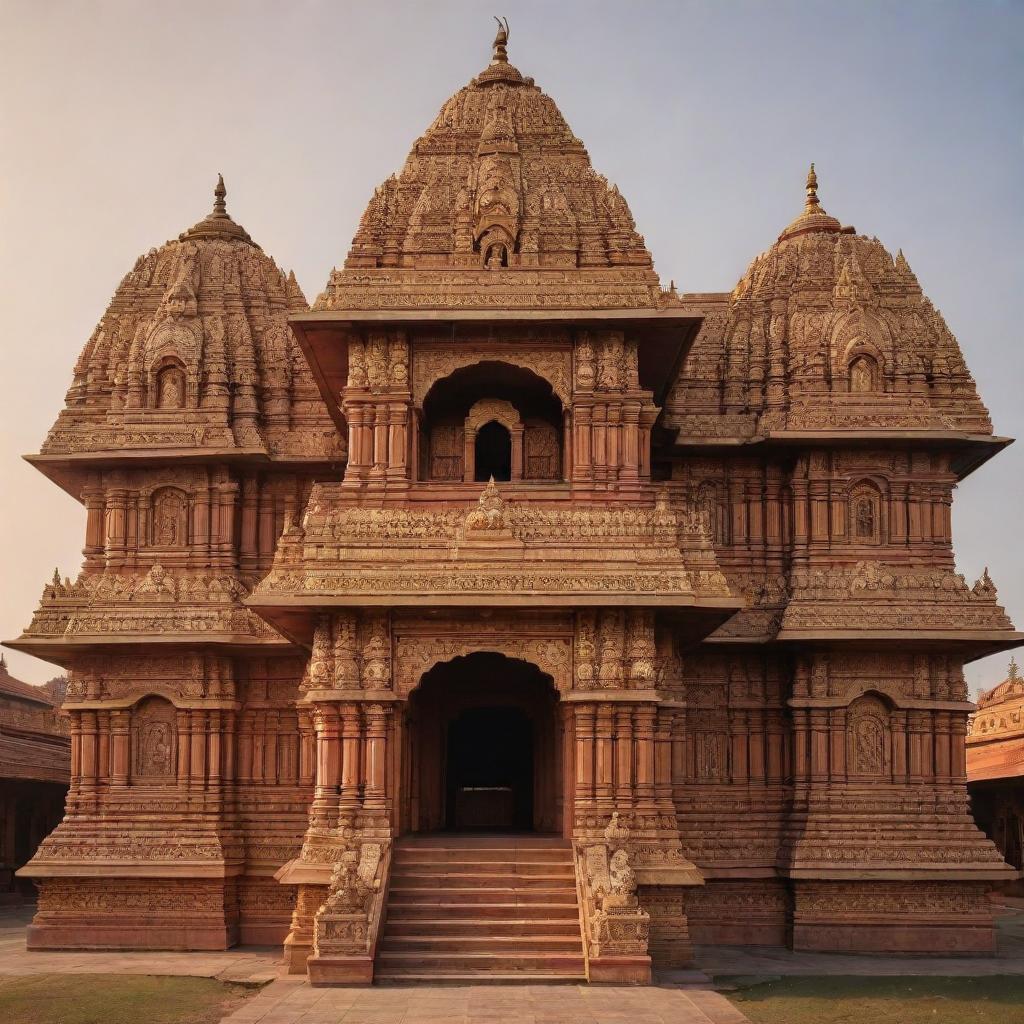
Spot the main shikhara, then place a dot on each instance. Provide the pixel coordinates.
(505, 612)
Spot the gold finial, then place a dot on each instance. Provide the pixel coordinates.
(500, 42)
(812, 189)
(220, 208)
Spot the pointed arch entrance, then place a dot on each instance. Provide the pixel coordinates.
(484, 748)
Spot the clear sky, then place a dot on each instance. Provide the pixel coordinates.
(116, 116)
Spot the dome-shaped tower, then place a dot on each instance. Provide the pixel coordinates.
(826, 331)
(497, 205)
(194, 353)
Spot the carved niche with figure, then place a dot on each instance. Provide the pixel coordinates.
(170, 518)
(867, 737)
(154, 739)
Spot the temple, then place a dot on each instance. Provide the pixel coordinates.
(35, 762)
(505, 613)
(995, 766)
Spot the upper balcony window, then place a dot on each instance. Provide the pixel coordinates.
(491, 419)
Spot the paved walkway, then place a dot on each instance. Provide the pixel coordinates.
(250, 963)
(681, 997)
(290, 1001)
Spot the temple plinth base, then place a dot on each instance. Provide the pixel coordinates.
(134, 913)
(619, 970)
(340, 970)
(938, 918)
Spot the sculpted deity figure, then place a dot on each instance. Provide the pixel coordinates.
(489, 513)
(868, 739)
(585, 374)
(168, 519)
(357, 376)
(157, 584)
(377, 655)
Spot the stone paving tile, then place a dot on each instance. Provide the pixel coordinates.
(484, 1004)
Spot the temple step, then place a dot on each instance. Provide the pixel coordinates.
(496, 909)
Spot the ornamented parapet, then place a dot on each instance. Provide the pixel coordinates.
(161, 604)
(872, 596)
(617, 927)
(509, 549)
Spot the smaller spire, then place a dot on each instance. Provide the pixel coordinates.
(220, 208)
(812, 190)
(1013, 674)
(500, 42)
(3, 662)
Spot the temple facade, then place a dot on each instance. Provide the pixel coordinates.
(995, 766)
(505, 612)
(35, 763)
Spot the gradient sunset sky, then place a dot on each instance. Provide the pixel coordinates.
(116, 117)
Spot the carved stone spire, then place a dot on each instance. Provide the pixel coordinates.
(218, 223)
(812, 190)
(499, 70)
(220, 207)
(500, 41)
(813, 216)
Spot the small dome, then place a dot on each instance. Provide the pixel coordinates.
(826, 331)
(195, 352)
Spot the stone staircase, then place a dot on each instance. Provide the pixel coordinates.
(481, 909)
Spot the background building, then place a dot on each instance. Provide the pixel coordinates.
(35, 763)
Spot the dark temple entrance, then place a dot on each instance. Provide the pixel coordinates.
(490, 770)
(485, 748)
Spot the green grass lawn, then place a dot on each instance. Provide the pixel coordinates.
(899, 1000)
(117, 999)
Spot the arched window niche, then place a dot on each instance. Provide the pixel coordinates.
(168, 385)
(869, 739)
(491, 419)
(864, 374)
(865, 513)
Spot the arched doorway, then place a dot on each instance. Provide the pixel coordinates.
(484, 748)
(493, 452)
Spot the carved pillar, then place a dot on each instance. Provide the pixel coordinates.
(581, 463)
(819, 745)
(613, 430)
(600, 442)
(623, 756)
(517, 452)
(328, 758)
(643, 724)
(604, 755)
(469, 455)
(899, 746)
(120, 722)
(307, 748)
(630, 441)
(398, 439)
(181, 717)
(584, 727)
(351, 758)
(377, 716)
(249, 540)
(117, 535)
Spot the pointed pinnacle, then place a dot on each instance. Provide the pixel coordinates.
(812, 188)
(220, 208)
